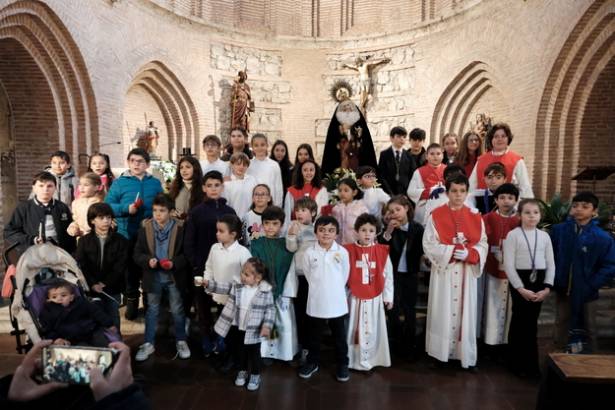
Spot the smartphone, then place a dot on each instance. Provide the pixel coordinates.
(72, 364)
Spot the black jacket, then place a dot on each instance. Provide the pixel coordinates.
(28, 217)
(387, 172)
(145, 249)
(75, 323)
(201, 231)
(115, 257)
(414, 246)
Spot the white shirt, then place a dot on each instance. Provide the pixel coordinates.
(517, 255)
(252, 226)
(402, 266)
(374, 199)
(247, 294)
(327, 272)
(267, 171)
(238, 193)
(224, 265)
(217, 165)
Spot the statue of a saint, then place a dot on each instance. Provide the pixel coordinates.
(241, 102)
(149, 139)
(364, 66)
(482, 125)
(349, 142)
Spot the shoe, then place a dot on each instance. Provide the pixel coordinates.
(132, 308)
(308, 370)
(220, 346)
(144, 352)
(183, 351)
(240, 380)
(208, 346)
(255, 382)
(342, 374)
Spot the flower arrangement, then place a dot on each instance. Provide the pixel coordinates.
(164, 170)
(331, 180)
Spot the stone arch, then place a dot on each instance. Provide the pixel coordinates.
(587, 52)
(156, 82)
(472, 89)
(48, 86)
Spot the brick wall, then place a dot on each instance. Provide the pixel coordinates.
(598, 133)
(198, 46)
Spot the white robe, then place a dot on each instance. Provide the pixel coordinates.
(452, 303)
(286, 345)
(375, 199)
(368, 317)
(267, 171)
(498, 310)
(520, 179)
(423, 207)
(238, 193)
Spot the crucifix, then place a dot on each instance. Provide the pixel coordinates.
(365, 265)
(364, 66)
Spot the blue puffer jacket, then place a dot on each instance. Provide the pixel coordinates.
(123, 193)
(584, 262)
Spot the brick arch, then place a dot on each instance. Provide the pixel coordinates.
(461, 98)
(589, 48)
(175, 105)
(47, 85)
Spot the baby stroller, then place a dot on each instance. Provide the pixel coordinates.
(38, 265)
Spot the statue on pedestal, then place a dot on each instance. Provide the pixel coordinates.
(241, 102)
(349, 142)
(149, 139)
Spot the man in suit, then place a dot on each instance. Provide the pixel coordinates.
(394, 164)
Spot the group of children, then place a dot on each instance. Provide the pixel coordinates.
(280, 266)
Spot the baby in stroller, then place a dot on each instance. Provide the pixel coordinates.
(69, 319)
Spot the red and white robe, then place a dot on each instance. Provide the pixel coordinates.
(371, 284)
(516, 173)
(497, 303)
(423, 181)
(452, 304)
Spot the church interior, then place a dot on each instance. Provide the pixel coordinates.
(103, 75)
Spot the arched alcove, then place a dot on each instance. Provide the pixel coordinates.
(156, 94)
(566, 99)
(473, 91)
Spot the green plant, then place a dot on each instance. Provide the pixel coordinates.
(557, 210)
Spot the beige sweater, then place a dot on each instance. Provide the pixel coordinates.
(80, 214)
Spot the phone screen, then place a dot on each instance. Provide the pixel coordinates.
(72, 364)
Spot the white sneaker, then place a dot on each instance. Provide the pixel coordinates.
(255, 382)
(241, 378)
(182, 349)
(144, 352)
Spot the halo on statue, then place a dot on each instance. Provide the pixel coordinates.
(341, 90)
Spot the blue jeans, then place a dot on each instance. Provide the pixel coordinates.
(163, 282)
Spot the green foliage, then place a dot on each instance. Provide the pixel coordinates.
(557, 211)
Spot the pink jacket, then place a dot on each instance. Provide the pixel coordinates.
(346, 215)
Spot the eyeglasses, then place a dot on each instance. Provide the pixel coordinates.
(370, 176)
(261, 195)
(211, 145)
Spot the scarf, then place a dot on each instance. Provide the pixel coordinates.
(161, 239)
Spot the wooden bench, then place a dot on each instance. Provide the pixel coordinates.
(578, 382)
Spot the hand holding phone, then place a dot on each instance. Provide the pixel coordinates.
(118, 379)
(23, 386)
